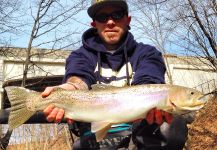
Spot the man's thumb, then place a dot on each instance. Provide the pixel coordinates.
(47, 92)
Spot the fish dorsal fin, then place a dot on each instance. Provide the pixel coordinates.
(100, 129)
(102, 87)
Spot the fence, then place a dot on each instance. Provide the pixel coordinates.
(207, 86)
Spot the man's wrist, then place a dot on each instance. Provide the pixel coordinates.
(77, 82)
(78, 86)
(73, 84)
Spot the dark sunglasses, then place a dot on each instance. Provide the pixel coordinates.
(116, 15)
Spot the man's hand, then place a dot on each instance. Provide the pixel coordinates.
(158, 116)
(53, 113)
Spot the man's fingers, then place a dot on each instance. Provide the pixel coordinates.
(52, 116)
(52, 113)
(48, 110)
(150, 117)
(168, 117)
(158, 117)
(59, 116)
(47, 91)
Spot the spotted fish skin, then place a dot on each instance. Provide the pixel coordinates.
(104, 105)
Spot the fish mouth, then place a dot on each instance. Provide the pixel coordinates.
(193, 108)
(200, 104)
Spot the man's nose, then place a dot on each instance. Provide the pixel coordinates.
(110, 22)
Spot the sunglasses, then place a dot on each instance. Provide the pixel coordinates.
(116, 15)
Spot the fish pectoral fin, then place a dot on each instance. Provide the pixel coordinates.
(100, 129)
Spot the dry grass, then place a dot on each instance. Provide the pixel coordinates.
(41, 137)
(203, 131)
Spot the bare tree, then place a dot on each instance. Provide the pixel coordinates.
(197, 28)
(152, 25)
(188, 25)
(8, 24)
(50, 18)
(8, 21)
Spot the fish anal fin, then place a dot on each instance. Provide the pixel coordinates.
(100, 129)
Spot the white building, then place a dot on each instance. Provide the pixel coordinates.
(186, 71)
(191, 72)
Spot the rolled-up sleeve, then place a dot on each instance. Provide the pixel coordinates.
(77, 64)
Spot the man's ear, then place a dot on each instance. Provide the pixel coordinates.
(129, 20)
(93, 24)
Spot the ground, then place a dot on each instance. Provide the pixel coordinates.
(203, 131)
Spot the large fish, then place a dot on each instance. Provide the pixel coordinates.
(104, 106)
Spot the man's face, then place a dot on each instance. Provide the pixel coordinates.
(112, 30)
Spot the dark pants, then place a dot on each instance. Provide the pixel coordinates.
(143, 137)
(165, 137)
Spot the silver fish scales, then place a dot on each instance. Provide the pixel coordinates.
(104, 106)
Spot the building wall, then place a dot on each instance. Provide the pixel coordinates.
(203, 80)
(12, 68)
(190, 72)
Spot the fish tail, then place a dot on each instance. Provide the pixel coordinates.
(19, 113)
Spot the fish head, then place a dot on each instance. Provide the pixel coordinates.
(183, 100)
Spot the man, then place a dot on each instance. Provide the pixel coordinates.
(110, 55)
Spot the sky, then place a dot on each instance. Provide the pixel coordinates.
(82, 23)
(21, 39)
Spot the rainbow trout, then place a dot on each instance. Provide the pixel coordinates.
(104, 105)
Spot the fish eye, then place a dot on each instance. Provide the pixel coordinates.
(192, 93)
